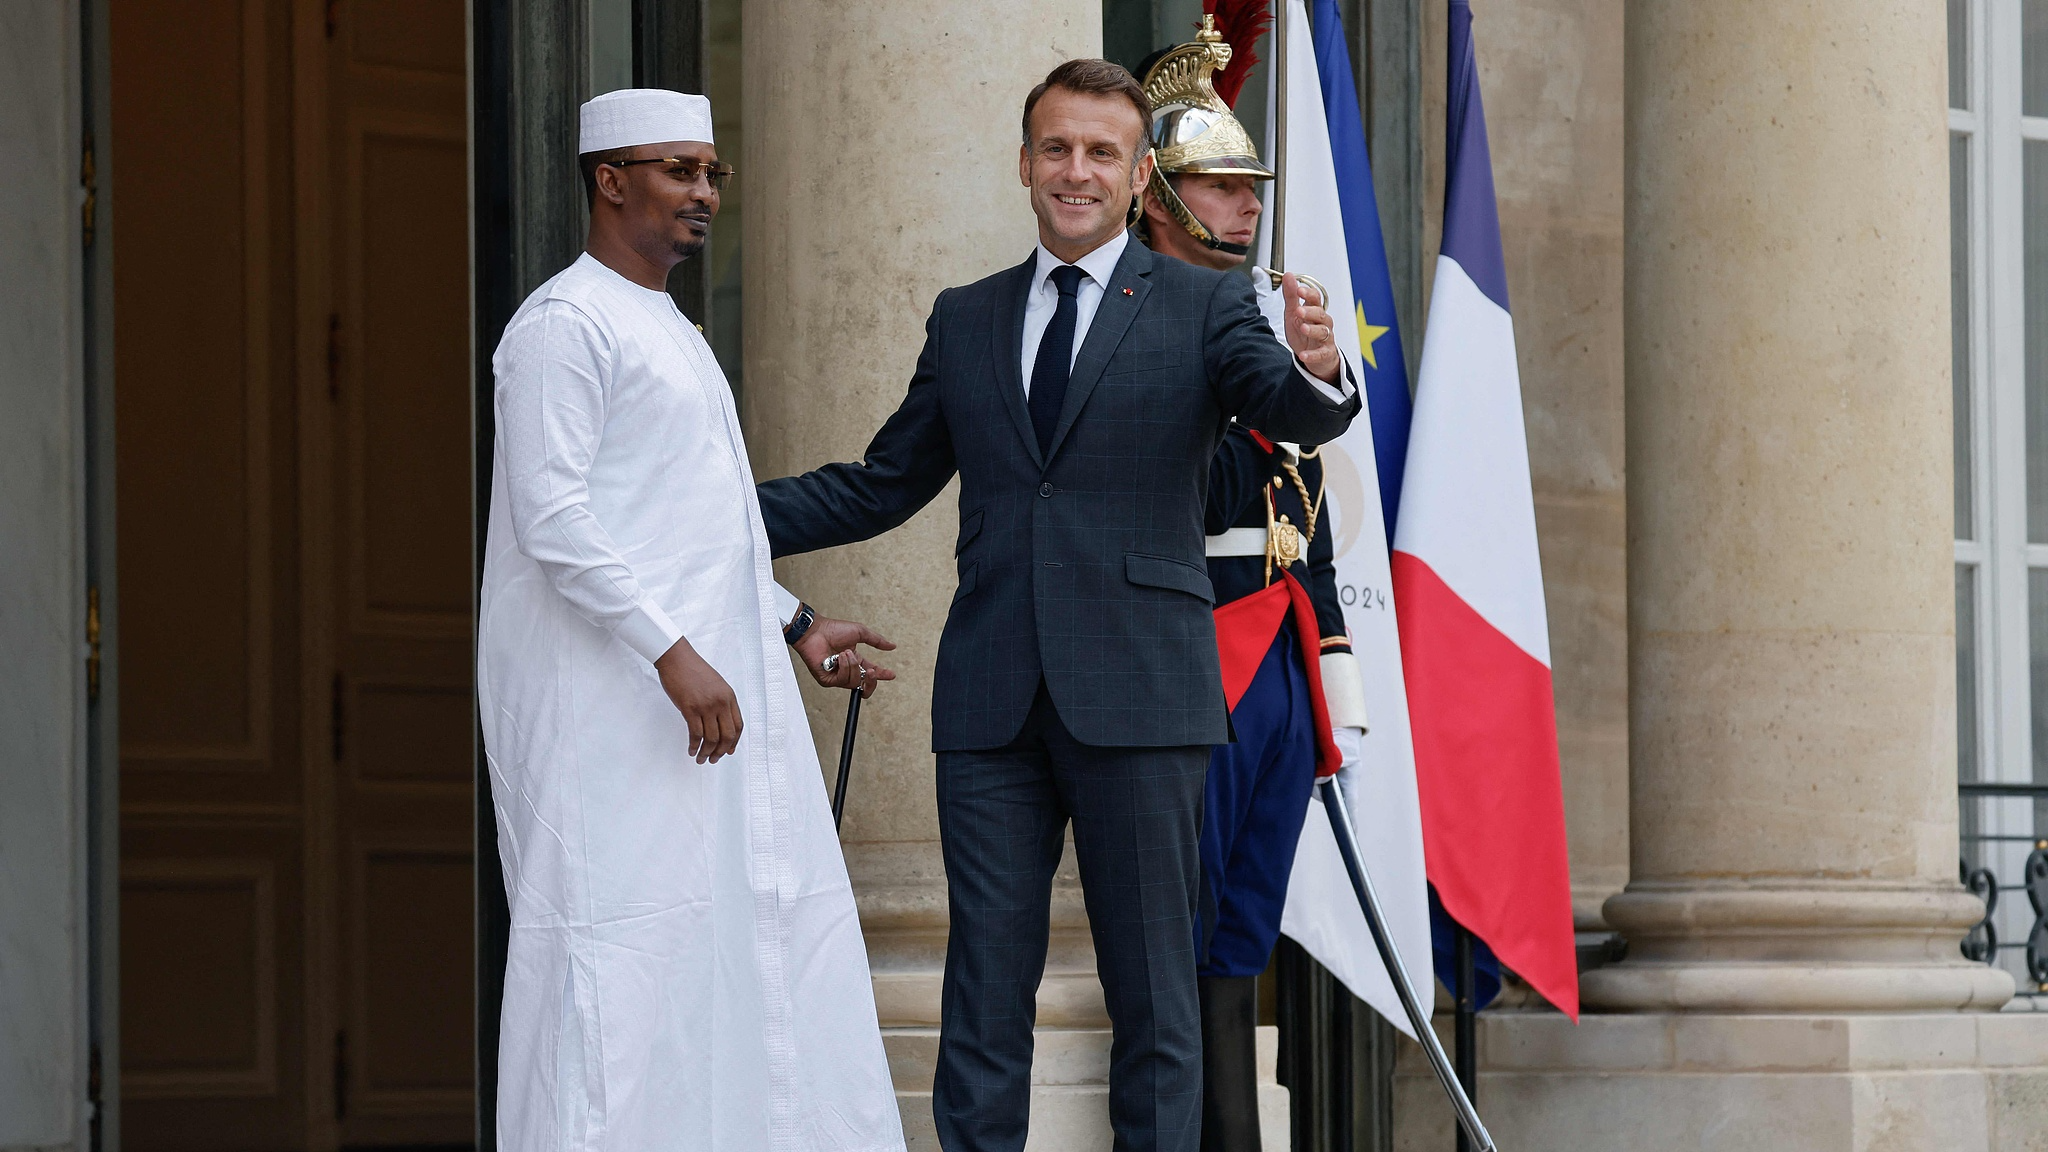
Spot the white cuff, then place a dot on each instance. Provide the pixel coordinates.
(786, 604)
(1343, 690)
(648, 630)
(1336, 393)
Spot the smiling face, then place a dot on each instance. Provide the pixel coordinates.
(1227, 204)
(659, 215)
(1085, 161)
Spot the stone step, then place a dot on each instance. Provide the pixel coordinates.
(1070, 1089)
(1075, 1118)
(1061, 1057)
(1066, 999)
(1276, 1120)
(1063, 1119)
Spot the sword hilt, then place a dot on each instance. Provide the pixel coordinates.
(1322, 293)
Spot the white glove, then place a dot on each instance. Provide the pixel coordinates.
(1350, 745)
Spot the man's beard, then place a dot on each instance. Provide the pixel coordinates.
(691, 246)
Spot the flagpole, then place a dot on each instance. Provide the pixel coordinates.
(1280, 136)
(1467, 1023)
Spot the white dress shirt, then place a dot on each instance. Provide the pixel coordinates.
(1043, 299)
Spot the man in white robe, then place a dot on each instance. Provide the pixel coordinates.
(686, 969)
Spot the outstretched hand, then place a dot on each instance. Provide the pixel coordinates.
(1309, 331)
(827, 638)
(704, 698)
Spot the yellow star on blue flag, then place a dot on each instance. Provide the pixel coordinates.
(1367, 333)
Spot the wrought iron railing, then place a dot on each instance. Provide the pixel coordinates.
(2005, 864)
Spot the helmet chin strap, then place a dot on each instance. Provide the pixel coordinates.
(1162, 189)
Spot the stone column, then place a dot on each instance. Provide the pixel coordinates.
(1791, 605)
(1793, 913)
(880, 166)
(1793, 978)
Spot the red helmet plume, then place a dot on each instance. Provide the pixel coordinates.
(1241, 22)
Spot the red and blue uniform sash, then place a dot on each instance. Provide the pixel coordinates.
(1245, 629)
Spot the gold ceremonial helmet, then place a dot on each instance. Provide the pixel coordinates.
(1193, 130)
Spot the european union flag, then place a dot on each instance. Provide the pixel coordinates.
(1379, 336)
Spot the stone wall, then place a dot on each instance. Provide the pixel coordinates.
(42, 584)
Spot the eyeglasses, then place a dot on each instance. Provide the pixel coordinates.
(685, 170)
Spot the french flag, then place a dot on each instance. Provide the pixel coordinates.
(1327, 176)
(1468, 592)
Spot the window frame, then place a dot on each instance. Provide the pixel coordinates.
(1997, 551)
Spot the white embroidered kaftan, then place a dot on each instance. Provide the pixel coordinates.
(686, 966)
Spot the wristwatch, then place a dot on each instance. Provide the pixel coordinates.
(799, 623)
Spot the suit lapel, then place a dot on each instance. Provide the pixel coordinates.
(1121, 299)
(1008, 336)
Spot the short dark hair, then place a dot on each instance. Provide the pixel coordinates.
(590, 162)
(1094, 78)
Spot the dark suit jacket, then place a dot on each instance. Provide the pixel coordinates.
(1083, 566)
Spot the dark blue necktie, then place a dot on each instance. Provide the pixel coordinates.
(1055, 358)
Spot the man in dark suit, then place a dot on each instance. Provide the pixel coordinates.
(1080, 397)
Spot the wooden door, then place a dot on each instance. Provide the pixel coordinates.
(214, 798)
(398, 212)
(293, 452)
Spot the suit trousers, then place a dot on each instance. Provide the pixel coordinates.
(1137, 815)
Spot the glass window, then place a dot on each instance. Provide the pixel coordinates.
(608, 39)
(2037, 636)
(1966, 673)
(1998, 232)
(1959, 325)
(1959, 53)
(2034, 303)
(2034, 58)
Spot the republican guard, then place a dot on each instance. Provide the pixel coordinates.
(1296, 698)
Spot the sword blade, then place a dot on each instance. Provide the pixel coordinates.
(1390, 956)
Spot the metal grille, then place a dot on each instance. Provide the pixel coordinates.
(2004, 837)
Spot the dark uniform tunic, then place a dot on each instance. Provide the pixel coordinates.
(1258, 787)
(1257, 792)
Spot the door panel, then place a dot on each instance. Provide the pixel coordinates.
(212, 896)
(207, 928)
(212, 1008)
(200, 389)
(417, 1040)
(413, 297)
(413, 733)
(293, 454)
(401, 626)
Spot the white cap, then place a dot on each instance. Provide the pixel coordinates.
(633, 116)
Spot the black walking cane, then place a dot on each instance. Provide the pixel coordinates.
(1369, 903)
(831, 664)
